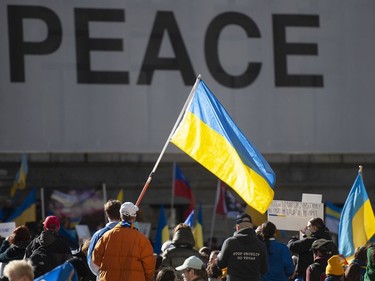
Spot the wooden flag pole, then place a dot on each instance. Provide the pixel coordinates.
(145, 187)
(360, 169)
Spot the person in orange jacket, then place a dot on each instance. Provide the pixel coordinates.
(124, 253)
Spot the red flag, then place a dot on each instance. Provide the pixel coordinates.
(221, 207)
(182, 189)
(227, 204)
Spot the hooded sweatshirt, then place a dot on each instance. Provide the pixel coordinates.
(53, 242)
(182, 247)
(244, 256)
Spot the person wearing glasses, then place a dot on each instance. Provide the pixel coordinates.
(315, 229)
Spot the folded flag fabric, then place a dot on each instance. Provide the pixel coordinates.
(208, 135)
(162, 231)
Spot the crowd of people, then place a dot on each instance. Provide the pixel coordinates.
(119, 251)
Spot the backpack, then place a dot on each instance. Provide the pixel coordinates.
(42, 260)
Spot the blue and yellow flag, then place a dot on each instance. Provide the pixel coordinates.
(120, 196)
(26, 212)
(332, 215)
(198, 229)
(20, 179)
(357, 221)
(208, 135)
(162, 232)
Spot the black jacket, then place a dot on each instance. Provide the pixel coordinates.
(244, 255)
(181, 248)
(12, 252)
(51, 240)
(302, 248)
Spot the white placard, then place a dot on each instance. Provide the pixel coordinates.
(293, 215)
(312, 198)
(83, 232)
(7, 228)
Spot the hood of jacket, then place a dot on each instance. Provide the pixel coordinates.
(245, 235)
(183, 238)
(47, 237)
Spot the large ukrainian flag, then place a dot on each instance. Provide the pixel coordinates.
(357, 221)
(208, 135)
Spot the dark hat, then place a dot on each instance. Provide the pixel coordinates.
(320, 244)
(243, 218)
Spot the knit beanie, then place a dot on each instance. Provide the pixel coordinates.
(334, 266)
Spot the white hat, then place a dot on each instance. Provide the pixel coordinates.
(191, 262)
(129, 209)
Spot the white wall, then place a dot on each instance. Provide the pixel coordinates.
(45, 106)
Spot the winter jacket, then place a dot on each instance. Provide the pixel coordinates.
(53, 241)
(317, 269)
(124, 253)
(182, 247)
(370, 269)
(94, 239)
(302, 248)
(280, 263)
(12, 252)
(244, 256)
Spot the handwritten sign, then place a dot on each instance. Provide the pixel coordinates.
(293, 215)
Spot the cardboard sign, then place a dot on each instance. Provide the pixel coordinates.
(293, 215)
(7, 228)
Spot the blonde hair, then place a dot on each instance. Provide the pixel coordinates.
(19, 268)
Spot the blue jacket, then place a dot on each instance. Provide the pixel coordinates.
(280, 263)
(94, 239)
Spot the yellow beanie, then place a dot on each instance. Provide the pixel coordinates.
(334, 266)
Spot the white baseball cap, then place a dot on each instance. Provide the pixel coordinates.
(191, 262)
(129, 209)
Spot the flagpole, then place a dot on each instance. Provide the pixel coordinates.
(169, 137)
(214, 212)
(173, 211)
(43, 206)
(104, 187)
(360, 170)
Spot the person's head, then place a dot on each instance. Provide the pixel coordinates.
(19, 235)
(166, 274)
(192, 268)
(243, 221)
(128, 211)
(324, 248)
(360, 254)
(213, 255)
(112, 210)
(51, 223)
(268, 230)
(19, 270)
(314, 225)
(79, 266)
(185, 231)
(334, 266)
(205, 252)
